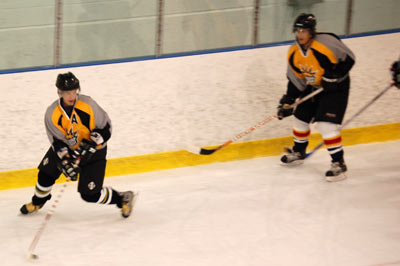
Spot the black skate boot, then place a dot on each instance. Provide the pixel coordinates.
(128, 202)
(35, 205)
(336, 173)
(30, 208)
(293, 157)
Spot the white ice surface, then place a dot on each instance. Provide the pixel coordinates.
(241, 213)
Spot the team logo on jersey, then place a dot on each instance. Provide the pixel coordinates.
(72, 134)
(45, 161)
(91, 185)
(72, 137)
(309, 73)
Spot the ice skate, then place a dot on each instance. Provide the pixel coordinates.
(128, 202)
(293, 158)
(30, 208)
(337, 172)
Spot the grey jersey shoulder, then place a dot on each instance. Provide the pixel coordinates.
(100, 116)
(51, 107)
(335, 44)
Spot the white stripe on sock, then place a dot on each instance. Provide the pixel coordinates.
(42, 192)
(102, 195)
(110, 192)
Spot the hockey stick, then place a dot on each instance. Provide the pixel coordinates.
(353, 117)
(49, 214)
(204, 151)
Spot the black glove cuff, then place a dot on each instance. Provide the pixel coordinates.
(104, 132)
(287, 100)
(329, 79)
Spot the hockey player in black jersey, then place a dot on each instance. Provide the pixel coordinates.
(317, 60)
(396, 73)
(78, 130)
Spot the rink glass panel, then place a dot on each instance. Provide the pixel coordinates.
(102, 31)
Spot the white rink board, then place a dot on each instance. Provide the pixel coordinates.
(164, 105)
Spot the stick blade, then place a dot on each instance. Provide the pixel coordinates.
(32, 256)
(207, 151)
(200, 151)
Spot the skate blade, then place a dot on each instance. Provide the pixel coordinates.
(135, 197)
(292, 164)
(336, 178)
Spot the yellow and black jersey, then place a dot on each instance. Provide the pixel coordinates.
(70, 128)
(326, 53)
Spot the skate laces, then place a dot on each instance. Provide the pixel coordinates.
(32, 207)
(338, 167)
(292, 156)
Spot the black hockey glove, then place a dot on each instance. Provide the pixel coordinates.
(86, 149)
(284, 108)
(67, 165)
(70, 169)
(396, 73)
(97, 137)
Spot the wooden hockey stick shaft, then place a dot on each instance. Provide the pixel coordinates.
(204, 151)
(238, 136)
(353, 117)
(48, 216)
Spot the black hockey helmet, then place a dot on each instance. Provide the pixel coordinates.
(305, 21)
(67, 82)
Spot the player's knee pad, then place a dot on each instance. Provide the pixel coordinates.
(300, 126)
(90, 197)
(328, 129)
(45, 179)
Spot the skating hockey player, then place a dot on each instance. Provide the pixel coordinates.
(315, 60)
(78, 130)
(396, 73)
